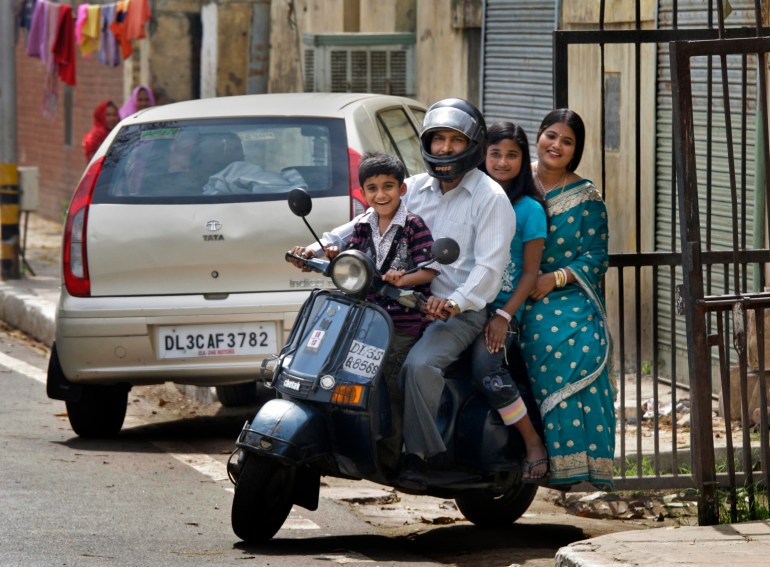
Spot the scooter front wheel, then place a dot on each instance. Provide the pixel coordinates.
(263, 498)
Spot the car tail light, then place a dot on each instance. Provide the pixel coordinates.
(358, 203)
(75, 259)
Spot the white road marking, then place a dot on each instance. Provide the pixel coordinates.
(217, 472)
(182, 452)
(23, 368)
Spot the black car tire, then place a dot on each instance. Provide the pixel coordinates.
(99, 412)
(263, 498)
(487, 509)
(250, 393)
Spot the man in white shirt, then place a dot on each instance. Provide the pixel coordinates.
(455, 200)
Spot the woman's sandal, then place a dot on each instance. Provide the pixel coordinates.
(529, 466)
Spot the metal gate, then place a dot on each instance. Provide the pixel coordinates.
(718, 113)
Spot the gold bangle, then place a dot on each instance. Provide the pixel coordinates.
(563, 277)
(557, 276)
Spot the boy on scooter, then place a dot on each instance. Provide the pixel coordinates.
(398, 240)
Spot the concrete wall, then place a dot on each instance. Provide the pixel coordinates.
(448, 35)
(390, 15)
(443, 53)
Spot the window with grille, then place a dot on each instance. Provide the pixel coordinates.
(360, 62)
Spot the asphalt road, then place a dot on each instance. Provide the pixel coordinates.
(158, 495)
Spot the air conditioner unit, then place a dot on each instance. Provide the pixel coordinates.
(360, 62)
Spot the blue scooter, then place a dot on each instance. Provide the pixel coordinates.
(332, 411)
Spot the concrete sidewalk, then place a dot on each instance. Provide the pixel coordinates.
(29, 304)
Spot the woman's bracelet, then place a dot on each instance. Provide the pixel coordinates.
(504, 314)
(560, 277)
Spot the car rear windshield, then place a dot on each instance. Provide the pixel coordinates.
(244, 159)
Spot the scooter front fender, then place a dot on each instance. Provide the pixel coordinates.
(288, 431)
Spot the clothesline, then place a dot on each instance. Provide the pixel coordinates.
(54, 31)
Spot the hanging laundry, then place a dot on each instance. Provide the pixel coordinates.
(64, 45)
(79, 21)
(108, 44)
(37, 39)
(25, 15)
(90, 32)
(118, 28)
(51, 84)
(137, 15)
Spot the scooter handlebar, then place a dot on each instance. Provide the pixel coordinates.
(315, 264)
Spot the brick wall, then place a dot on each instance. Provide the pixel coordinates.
(41, 140)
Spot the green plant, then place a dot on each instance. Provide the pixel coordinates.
(646, 368)
(630, 468)
(744, 510)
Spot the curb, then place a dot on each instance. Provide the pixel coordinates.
(28, 313)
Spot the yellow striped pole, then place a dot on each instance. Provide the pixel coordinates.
(9, 221)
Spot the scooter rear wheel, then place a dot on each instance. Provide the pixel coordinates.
(486, 509)
(263, 498)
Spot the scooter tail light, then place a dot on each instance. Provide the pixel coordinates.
(358, 202)
(74, 253)
(348, 394)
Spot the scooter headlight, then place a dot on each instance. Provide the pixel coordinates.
(353, 271)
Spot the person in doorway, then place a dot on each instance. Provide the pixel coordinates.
(105, 119)
(141, 97)
(398, 241)
(508, 163)
(565, 338)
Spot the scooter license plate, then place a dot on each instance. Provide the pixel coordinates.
(363, 359)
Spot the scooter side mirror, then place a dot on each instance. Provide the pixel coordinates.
(445, 250)
(300, 202)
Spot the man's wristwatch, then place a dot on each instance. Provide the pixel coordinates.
(451, 304)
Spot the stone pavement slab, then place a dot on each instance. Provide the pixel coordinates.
(746, 544)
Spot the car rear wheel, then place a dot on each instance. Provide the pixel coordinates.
(99, 412)
(263, 498)
(248, 394)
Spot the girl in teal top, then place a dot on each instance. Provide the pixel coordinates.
(507, 162)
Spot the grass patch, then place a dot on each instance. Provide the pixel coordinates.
(629, 469)
(749, 505)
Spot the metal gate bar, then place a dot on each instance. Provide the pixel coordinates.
(697, 304)
(700, 307)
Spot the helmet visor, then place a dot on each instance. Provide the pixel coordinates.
(447, 117)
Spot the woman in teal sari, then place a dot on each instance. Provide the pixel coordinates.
(565, 337)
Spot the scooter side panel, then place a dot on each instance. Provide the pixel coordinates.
(483, 441)
(294, 433)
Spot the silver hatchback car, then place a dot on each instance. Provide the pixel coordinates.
(174, 243)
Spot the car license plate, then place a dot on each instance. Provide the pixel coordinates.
(363, 359)
(230, 339)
